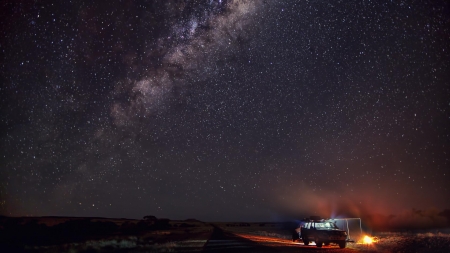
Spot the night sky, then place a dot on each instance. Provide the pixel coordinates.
(224, 110)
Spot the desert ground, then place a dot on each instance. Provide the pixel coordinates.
(67, 234)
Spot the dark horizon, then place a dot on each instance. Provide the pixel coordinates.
(225, 110)
(409, 221)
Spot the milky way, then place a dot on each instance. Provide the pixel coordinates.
(190, 49)
(224, 110)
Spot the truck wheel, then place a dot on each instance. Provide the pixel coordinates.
(319, 244)
(342, 244)
(305, 242)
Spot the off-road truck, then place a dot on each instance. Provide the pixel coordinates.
(322, 232)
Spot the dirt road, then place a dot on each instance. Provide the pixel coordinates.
(222, 241)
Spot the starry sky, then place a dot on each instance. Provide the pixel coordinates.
(224, 110)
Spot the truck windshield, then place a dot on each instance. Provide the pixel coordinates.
(325, 225)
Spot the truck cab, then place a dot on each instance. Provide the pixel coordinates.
(322, 232)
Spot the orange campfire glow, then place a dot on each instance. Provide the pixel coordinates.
(368, 240)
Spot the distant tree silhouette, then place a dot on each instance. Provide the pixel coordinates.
(150, 218)
(192, 220)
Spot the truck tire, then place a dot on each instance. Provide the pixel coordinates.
(342, 244)
(319, 244)
(305, 242)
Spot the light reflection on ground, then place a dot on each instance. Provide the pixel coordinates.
(273, 242)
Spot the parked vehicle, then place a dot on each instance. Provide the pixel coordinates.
(322, 232)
